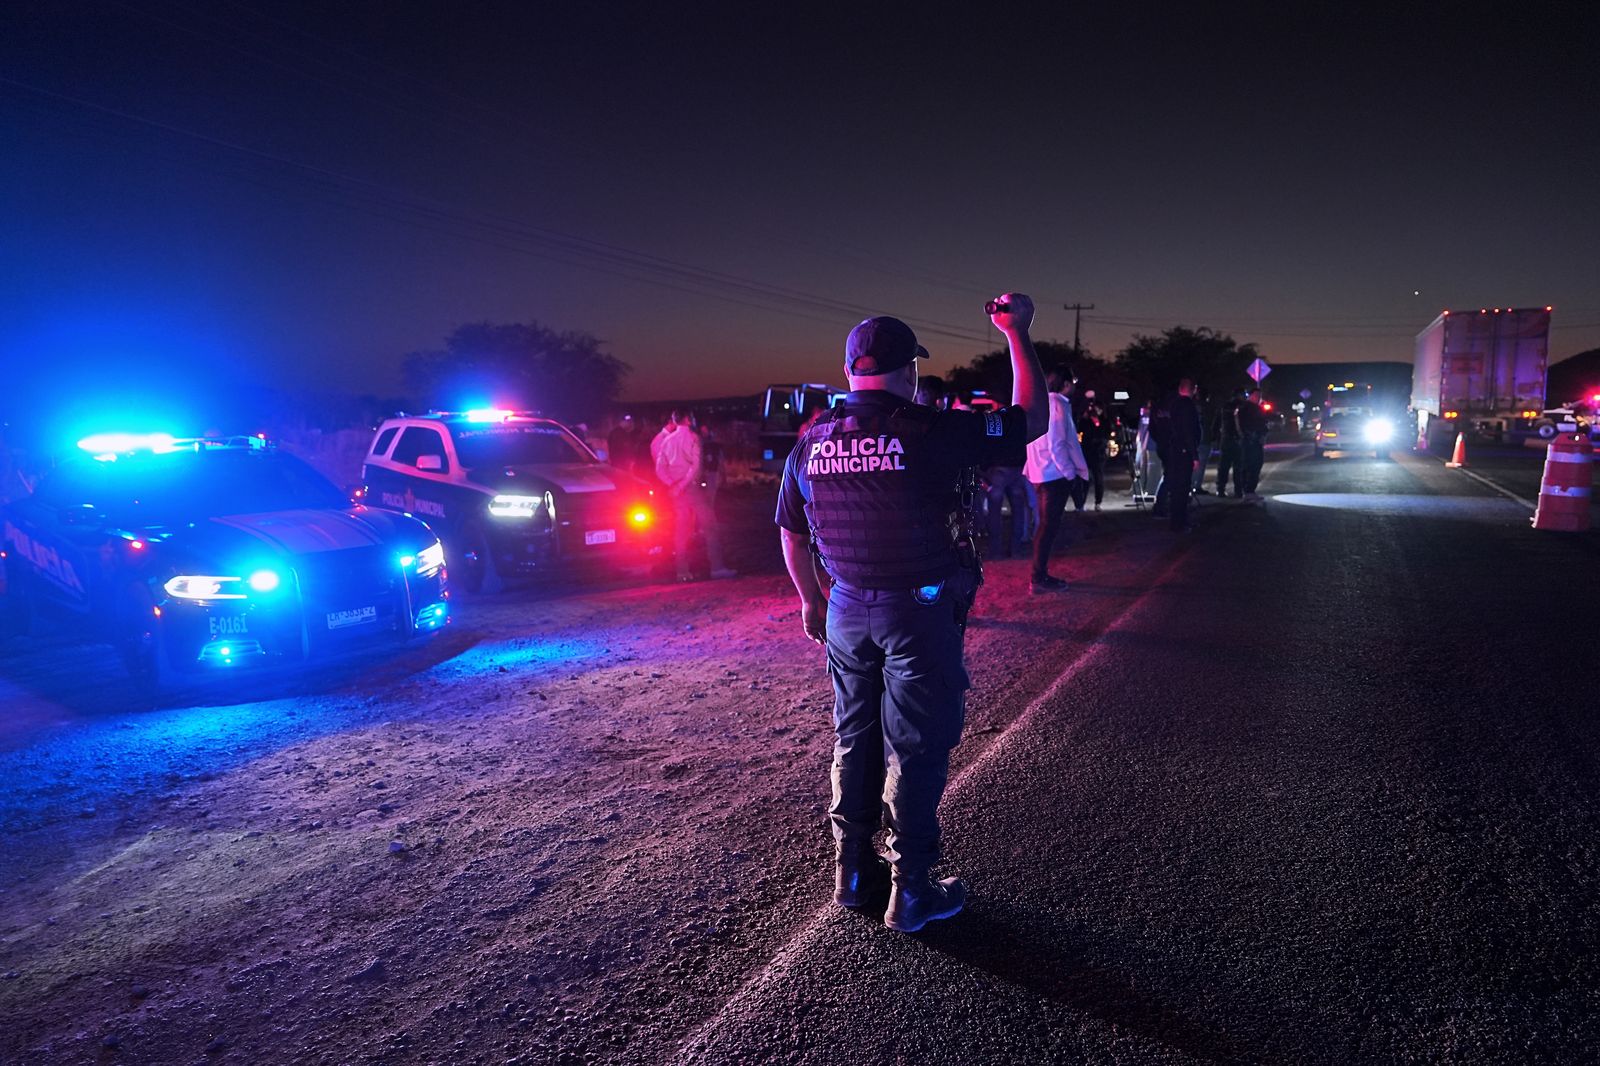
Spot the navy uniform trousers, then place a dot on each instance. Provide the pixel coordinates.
(899, 704)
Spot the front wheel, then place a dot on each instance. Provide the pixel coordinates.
(16, 603)
(475, 563)
(141, 644)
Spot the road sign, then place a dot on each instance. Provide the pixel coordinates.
(1305, 394)
(1258, 370)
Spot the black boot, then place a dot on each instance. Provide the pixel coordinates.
(917, 899)
(860, 878)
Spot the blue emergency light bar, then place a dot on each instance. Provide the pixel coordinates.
(118, 443)
(107, 446)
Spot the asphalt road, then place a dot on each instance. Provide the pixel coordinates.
(1326, 793)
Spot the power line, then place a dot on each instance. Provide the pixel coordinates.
(870, 260)
(574, 250)
(1077, 324)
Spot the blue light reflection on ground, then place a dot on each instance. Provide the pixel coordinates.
(105, 762)
(519, 655)
(1460, 508)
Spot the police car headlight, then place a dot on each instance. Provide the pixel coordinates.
(264, 580)
(430, 560)
(1379, 430)
(515, 506)
(204, 587)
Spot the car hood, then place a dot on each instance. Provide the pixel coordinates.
(570, 478)
(237, 539)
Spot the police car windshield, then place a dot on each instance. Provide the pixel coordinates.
(188, 486)
(513, 445)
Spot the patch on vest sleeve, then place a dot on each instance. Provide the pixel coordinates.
(993, 424)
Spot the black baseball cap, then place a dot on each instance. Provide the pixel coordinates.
(881, 345)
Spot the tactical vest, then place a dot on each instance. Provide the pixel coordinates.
(882, 508)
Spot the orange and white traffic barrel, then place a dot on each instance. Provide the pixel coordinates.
(1564, 493)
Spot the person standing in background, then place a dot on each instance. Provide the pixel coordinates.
(1179, 453)
(1006, 482)
(1096, 427)
(1225, 432)
(1252, 444)
(622, 445)
(680, 464)
(1057, 469)
(1203, 456)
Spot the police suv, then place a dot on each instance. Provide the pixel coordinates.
(202, 554)
(511, 494)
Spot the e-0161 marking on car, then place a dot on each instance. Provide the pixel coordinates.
(600, 536)
(356, 617)
(228, 625)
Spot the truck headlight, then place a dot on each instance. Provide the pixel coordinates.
(204, 587)
(1379, 431)
(515, 506)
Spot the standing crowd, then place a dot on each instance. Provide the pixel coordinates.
(1069, 461)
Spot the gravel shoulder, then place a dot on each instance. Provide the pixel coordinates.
(567, 833)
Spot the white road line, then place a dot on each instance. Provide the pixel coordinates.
(1487, 483)
(1507, 493)
(812, 928)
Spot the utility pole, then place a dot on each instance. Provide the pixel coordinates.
(1077, 321)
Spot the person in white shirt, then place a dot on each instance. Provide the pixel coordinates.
(679, 462)
(1058, 470)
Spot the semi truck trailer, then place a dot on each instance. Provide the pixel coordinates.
(1480, 372)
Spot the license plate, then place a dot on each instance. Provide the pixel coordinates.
(228, 625)
(346, 619)
(600, 536)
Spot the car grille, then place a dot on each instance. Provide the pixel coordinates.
(344, 584)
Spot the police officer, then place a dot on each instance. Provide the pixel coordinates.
(1252, 444)
(870, 494)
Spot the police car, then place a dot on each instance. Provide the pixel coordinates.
(511, 494)
(196, 555)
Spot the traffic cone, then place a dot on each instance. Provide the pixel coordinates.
(1459, 459)
(1564, 491)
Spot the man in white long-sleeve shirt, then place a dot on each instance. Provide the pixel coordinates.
(679, 460)
(1058, 470)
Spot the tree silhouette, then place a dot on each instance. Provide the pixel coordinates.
(566, 375)
(1214, 360)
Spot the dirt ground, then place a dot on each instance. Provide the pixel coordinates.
(565, 833)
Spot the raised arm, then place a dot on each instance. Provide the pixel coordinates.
(1012, 317)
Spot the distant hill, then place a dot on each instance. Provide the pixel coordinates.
(1389, 380)
(1575, 378)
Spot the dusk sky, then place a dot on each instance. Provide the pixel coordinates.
(298, 195)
